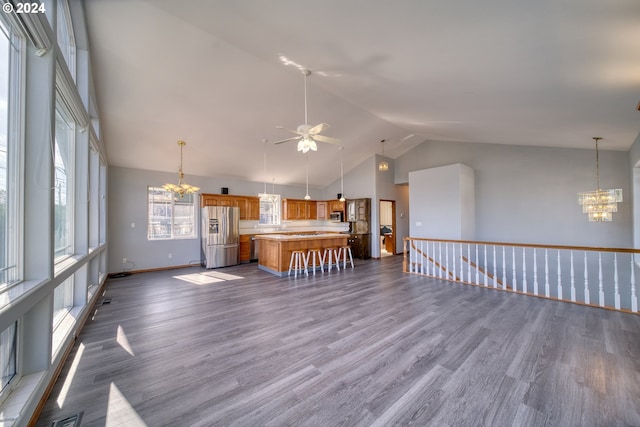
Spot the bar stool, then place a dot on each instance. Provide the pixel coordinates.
(298, 263)
(313, 254)
(345, 250)
(332, 255)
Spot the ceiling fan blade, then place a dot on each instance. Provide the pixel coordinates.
(318, 128)
(287, 140)
(290, 130)
(326, 139)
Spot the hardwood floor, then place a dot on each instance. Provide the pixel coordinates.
(368, 346)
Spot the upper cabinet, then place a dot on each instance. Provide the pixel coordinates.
(335, 206)
(299, 209)
(249, 205)
(321, 208)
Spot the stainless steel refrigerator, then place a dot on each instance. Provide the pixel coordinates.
(220, 236)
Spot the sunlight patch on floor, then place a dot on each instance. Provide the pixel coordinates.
(69, 378)
(208, 277)
(120, 412)
(121, 338)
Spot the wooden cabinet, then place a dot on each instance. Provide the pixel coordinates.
(249, 205)
(335, 206)
(321, 209)
(253, 208)
(299, 209)
(245, 248)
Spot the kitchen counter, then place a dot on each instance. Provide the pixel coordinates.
(274, 252)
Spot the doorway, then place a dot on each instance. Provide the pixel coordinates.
(387, 209)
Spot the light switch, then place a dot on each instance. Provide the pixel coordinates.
(133, 225)
(418, 223)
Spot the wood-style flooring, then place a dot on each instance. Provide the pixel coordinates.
(369, 346)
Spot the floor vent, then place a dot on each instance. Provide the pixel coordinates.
(72, 421)
(106, 301)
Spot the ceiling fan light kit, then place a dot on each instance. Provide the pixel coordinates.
(307, 135)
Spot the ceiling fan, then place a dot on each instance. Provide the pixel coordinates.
(308, 135)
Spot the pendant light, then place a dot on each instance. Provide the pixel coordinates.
(383, 166)
(306, 157)
(181, 188)
(600, 204)
(342, 199)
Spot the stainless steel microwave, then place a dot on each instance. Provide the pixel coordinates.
(336, 216)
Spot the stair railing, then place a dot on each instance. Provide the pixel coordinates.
(599, 277)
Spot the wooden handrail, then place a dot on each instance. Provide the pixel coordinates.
(530, 245)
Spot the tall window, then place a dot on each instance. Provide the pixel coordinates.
(66, 39)
(62, 300)
(8, 355)
(269, 209)
(170, 216)
(64, 173)
(10, 90)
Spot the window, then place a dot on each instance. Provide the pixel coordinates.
(66, 39)
(10, 112)
(170, 216)
(8, 341)
(64, 173)
(62, 300)
(270, 209)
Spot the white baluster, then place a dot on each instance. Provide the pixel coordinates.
(535, 273)
(587, 297)
(440, 260)
(616, 290)
(469, 262)
(634, 298)
(461, 265)
(546, 274)
(485, 265)
(600, 285)
(453, 260)
(504, 270)
(524, 271)
(424, 259)
(433, 264)
(573, 284)
(495, 268)
(559, 277)
(513, 268)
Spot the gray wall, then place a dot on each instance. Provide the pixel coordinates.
(528, 194)
(128, 204)
(442, 203)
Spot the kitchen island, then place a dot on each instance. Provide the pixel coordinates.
(274, 253)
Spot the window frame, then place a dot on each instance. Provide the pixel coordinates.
(171, 204)
(70, 173)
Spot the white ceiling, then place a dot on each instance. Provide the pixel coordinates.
(547, 73)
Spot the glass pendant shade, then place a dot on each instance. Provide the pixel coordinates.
(181, 188)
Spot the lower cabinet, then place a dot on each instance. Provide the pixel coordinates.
(245, 248)
(360, 245)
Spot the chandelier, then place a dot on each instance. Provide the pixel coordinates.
(181, 188)
(600, 204)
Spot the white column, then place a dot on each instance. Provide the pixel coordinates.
(546, 273)
(524, 271)
(513, 269)
(573, 284)
(600, 286)
(587, 297)
(634, 298)
(535, 273)
(559, 277)
(616, 289)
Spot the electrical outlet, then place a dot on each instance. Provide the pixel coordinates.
(125, 260)
(170, 256)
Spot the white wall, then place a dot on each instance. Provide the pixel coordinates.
(442, 203)
(529, 194)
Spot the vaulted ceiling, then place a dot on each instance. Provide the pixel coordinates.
(223, 74)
